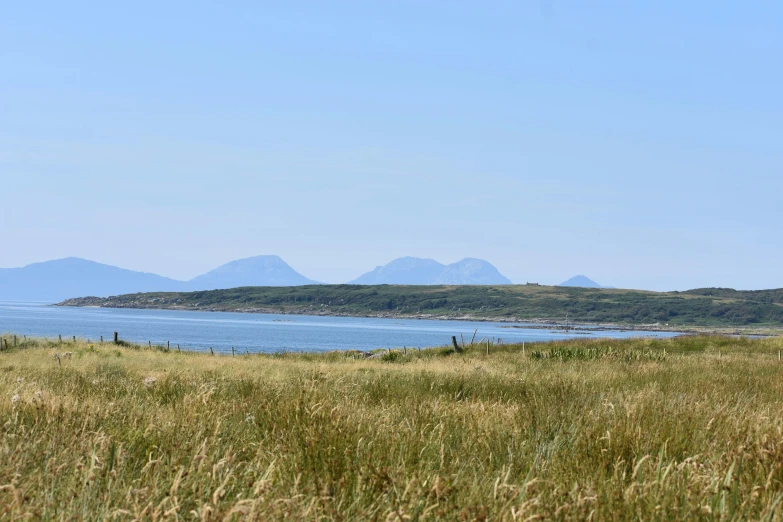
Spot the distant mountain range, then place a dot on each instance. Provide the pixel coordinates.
(57, 280)
(64, 278)
(417, 271)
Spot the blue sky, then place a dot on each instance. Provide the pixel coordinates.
(638, 143)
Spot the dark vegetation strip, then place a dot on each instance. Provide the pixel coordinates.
(702, 307)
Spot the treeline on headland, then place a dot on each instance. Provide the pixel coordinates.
(700, 307)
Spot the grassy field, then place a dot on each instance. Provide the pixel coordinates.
(603, 430)
(713, 307)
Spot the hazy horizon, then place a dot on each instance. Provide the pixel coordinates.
(638, 145)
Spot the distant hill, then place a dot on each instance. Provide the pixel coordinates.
(417, 271)
(405, 270)
(63, 278)
(471, 272)
(251, 271)
(581, 282)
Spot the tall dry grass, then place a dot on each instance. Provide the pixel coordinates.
(601, 430)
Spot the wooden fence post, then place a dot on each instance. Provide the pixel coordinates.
(210, 351)
(232, 351)
(454, 342)
(116, 338)
(60, 336)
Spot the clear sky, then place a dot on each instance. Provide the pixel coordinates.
(639, 143)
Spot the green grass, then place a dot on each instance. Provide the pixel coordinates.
(686, 428)
(703, 307)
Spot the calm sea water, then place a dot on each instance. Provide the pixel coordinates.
(262, 332)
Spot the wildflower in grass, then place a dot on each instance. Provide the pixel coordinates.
(15, 399)
(39, 394)
(149, 382)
